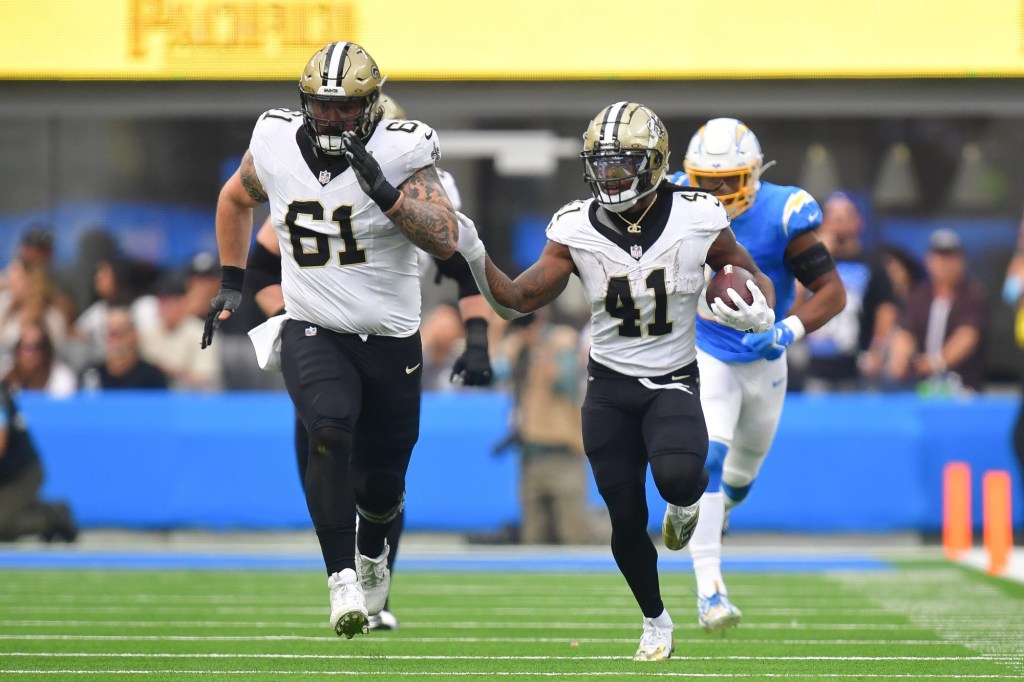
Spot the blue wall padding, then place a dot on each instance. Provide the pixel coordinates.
(842, 463)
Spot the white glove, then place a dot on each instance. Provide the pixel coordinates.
(472, 249)
(470, 245)
(754, 317)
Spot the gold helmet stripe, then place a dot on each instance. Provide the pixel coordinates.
(335, 61)
(611, 122)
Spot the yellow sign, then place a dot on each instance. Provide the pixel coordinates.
(522, 40)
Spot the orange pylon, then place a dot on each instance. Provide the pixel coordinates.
(998, 520)
(956, 509)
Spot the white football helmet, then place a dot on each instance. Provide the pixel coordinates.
(725, 158)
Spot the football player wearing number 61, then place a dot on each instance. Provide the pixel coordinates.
(744, 375)
(351, 197)
(639, 248)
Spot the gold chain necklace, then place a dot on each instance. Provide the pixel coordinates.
(634, 227)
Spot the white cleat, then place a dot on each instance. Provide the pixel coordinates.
(716, 613)
(656, 644)
(678, 525)
(375, 579)
(348, 606)
(385, 620)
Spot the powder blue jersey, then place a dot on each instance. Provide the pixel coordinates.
(778, 214)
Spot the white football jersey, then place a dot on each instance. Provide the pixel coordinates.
(643, 300)
(344, 265)
(450, 188)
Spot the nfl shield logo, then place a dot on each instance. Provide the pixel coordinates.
(311, 331)
(636, 251)
(325, 177)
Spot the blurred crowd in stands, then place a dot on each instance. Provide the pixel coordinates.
(912, 322)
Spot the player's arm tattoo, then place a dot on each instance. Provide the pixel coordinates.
(250, 181)
(539, 285)
(425, 215)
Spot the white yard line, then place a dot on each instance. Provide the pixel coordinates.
(432, 625)
(646, 672)
(376, 657)
(394, 640)
(527, 611)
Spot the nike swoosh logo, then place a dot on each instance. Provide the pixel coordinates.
(776, 384)
(410, 370)
(680, 377)
(813, 216)
(429, 135)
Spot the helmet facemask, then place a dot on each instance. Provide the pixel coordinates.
(618, 179)
(326, 118)
(339, 91)
(743, 181)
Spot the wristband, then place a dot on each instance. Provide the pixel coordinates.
(476, 333)
(387, 197)
(796, 326)
(231, 277)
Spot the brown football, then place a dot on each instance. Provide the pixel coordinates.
(729, 277)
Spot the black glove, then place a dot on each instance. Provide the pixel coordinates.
(368, 172)
(228, 298)
(473, 368)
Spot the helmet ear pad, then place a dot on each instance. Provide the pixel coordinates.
(624, 135)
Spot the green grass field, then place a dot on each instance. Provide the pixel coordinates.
(922, 620)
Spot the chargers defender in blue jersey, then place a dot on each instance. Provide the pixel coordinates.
(743, 376)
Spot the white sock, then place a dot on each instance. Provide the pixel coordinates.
(663, 621)
(706, 545)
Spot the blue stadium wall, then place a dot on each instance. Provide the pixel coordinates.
(841, 463)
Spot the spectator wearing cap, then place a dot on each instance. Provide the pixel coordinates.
(943, 326)
(202, 282)
(36, 245)
(171, 344)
